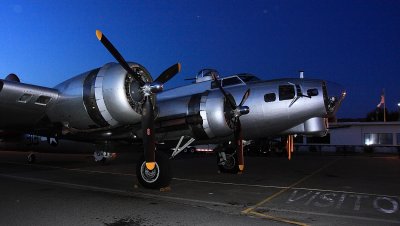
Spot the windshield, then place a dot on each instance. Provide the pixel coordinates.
(248, 78)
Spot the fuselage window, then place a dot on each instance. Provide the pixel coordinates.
(269, 97)
(286, 92)
(312, 92)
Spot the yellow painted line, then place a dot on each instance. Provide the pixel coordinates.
(351, 217)
(269, 217)
(246, 211)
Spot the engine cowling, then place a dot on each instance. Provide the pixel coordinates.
(101, 98)
(201, 116)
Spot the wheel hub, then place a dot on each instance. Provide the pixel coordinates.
(230, 162)
(149, 176)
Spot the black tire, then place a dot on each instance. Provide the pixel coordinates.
(159, 177)
(231, 165)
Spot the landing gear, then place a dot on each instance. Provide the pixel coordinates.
(31, 158)
(228, 162)
(159, 177)
(102, 154)
(103, 157)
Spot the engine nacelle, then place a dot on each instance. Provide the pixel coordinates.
(201, 116)
(102, 98)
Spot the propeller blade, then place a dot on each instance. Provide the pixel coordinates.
(110, 47)
(148, 133)
(169, 73)
(239, 142)
(231, 103)
(245, 96)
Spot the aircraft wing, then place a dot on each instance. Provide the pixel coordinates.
(23, 106)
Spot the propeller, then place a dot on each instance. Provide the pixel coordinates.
(236, 112)
(148, 89)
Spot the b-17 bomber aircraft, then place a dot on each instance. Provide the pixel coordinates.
(121, 101)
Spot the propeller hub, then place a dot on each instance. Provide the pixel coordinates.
(134, 91)
(152, 88)
(241, 110)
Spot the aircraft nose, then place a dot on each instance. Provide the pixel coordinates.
(333, 97)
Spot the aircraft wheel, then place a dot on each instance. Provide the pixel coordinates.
(159, 177)
(31, 158)
(230, 165)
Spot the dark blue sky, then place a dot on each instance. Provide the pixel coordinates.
(354, 43)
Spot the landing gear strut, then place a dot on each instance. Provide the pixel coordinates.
(31, 158)
(159, 177)
(103, 156)
(228, 162)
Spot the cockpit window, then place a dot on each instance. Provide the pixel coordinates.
(248, 78)
(235, 80)
(269, 97)
(298, 90)
(231, 81)
(286, 92)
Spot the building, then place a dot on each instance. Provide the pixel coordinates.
(358, 137)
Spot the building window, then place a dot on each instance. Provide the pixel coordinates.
(286, 92)
(398, 139)
(378, 139)
(298, 139)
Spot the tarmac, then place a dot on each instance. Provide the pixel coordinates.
(310, 189)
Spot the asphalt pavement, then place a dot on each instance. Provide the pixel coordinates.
(310, 189)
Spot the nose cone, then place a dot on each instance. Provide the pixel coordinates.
(333, 97)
